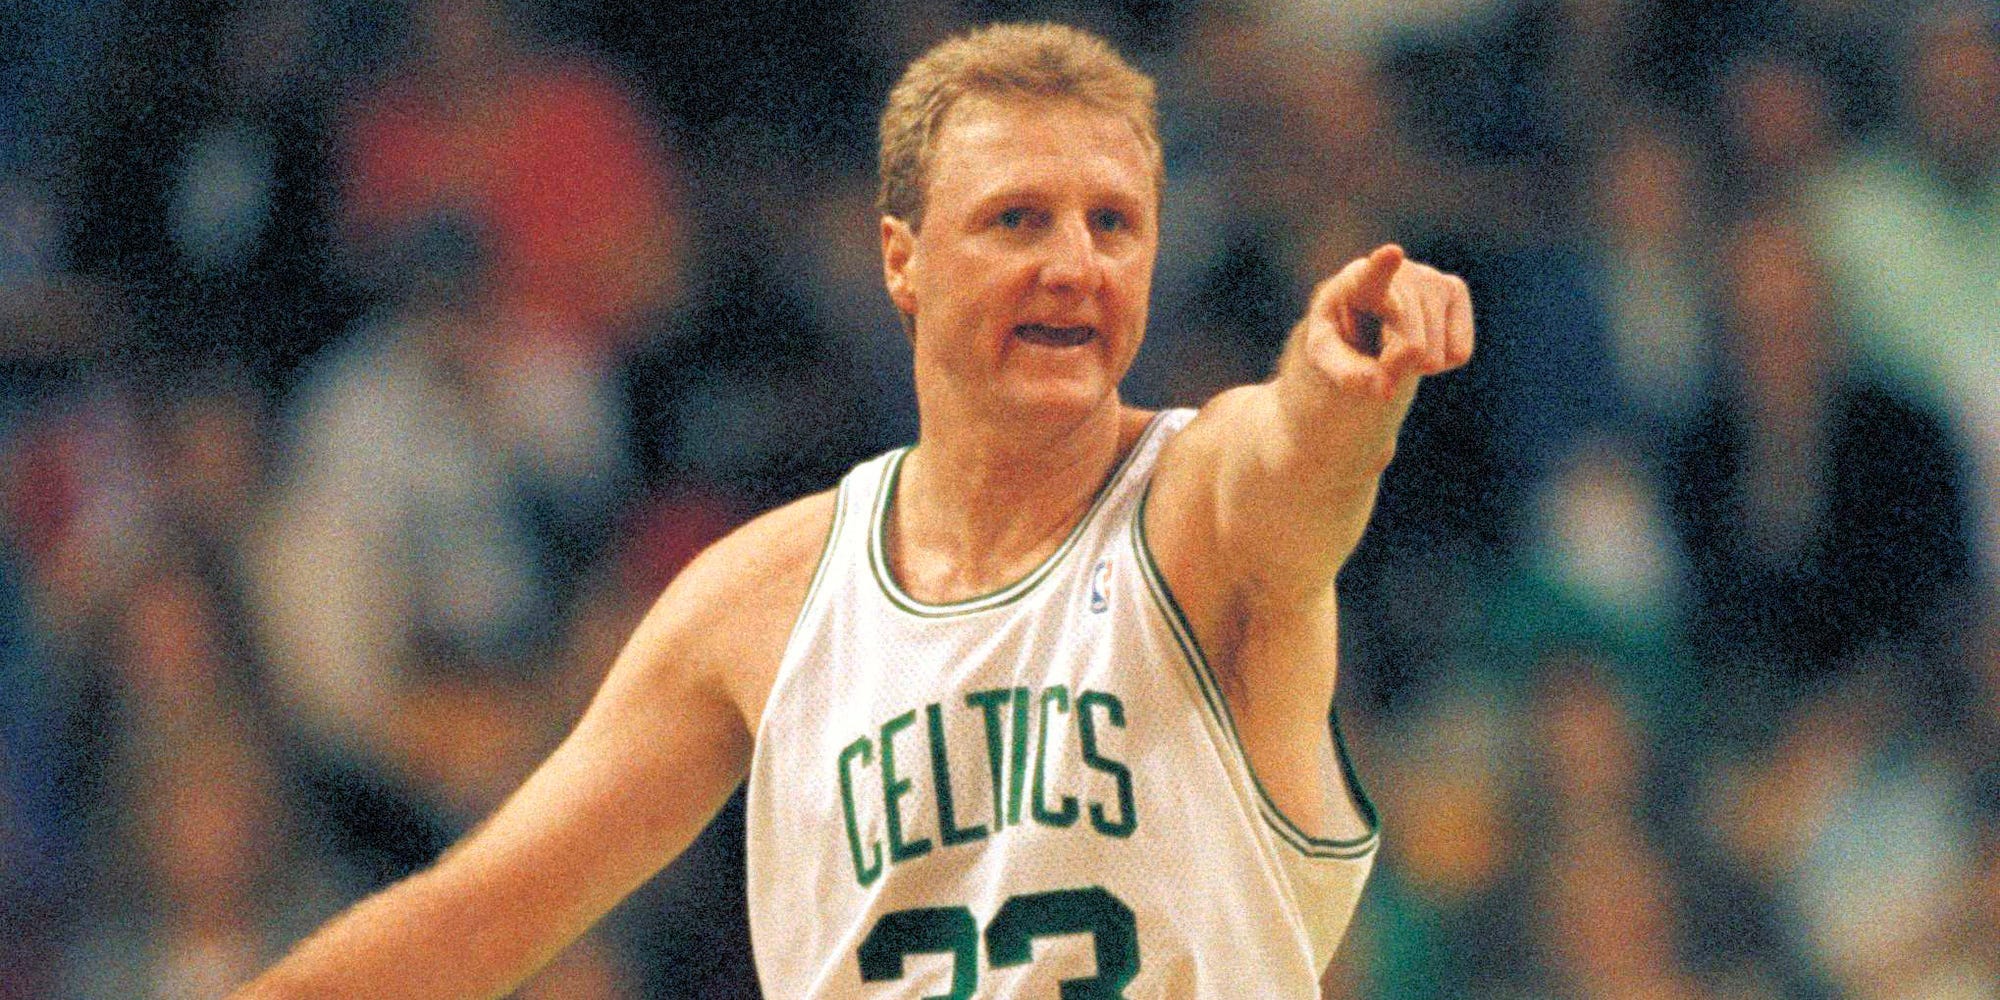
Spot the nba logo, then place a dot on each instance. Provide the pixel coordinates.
(1100, 586)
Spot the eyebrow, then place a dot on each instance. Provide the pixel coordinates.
(1017, 192)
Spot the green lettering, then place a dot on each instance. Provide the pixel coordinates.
(1059, 697)
(865, 872)
(1128, 815)
(1020, 769)
(941, 777)
(894, 788)
(989, 702)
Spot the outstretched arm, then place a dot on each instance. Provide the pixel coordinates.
(656, 754)
(624, 794)
(1258, 503)
(1270, 488)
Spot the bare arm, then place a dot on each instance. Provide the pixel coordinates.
(659, 750)
(1265, 497)
(1260, 501)
(1271, 486)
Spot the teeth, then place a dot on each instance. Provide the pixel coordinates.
(1057, 336)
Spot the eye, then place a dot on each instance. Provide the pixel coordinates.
(1108, 219)
(1012, 218)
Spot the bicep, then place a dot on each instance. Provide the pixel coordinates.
(654, 757)
(652, 760)
(1244, 512)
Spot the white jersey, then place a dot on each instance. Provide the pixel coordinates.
(1035, 794)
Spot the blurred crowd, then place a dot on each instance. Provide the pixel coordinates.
(366, 369)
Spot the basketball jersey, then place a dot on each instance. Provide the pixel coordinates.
(1035, 794)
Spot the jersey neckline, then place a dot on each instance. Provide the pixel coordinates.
(878, 559)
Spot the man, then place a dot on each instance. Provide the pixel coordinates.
(1036, 708)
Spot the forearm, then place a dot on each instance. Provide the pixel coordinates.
(647, 768)
(438, 934)
(1350, 370)
(1267, 492)
(1329, 430)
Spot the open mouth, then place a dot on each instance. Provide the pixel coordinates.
(1055, 336)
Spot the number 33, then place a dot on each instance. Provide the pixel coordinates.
(1010, 940)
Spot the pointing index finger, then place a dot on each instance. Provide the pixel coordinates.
(1357, 300)
(1371, 285)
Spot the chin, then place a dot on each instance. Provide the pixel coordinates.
(1062, 401)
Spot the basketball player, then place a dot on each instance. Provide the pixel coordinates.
(1036, 708)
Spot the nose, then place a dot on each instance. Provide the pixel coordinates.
(1072, 262)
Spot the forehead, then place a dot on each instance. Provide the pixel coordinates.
(989, 144)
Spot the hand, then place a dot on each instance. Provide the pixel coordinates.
(1382, 322)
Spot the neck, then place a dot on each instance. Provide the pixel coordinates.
(978, 508)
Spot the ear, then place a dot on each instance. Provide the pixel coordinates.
(899, 248)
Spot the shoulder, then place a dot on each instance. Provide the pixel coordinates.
(1215, 428)
(1191, 475)
(759, 564)
(726, 618)
(773, 551)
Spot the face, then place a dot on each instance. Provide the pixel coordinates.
(1028, 279)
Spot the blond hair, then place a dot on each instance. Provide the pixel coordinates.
(1038, 61)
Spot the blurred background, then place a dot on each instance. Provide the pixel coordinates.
(366, 368)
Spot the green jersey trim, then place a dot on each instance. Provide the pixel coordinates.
(841, 497)
(840, 500)
(878, 559)
(1218, 706)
